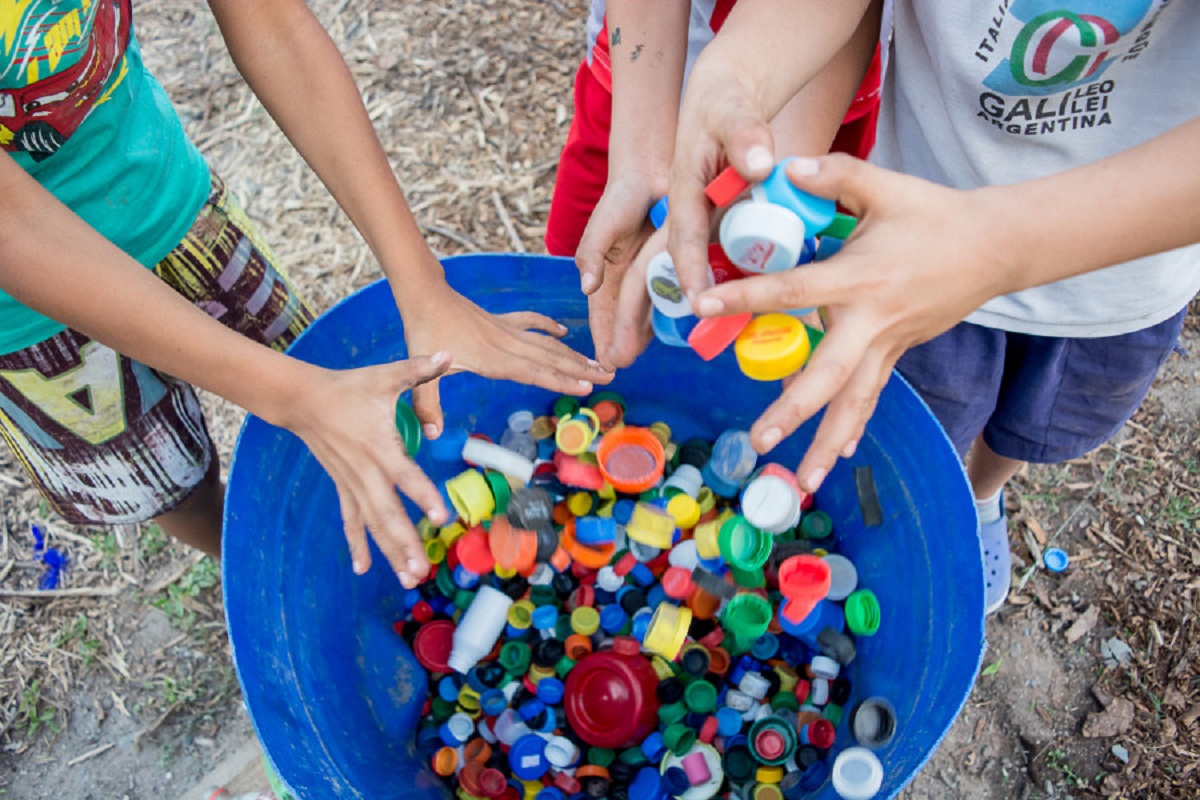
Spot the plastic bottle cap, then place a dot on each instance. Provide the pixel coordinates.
(772, 347)
(742, 545)
(492, 782)
(1055, 559)
(667, 631)
(770, 503)
(445, 761)
(857, 774)
(723, 189)
(723, 270)
(804, 581)
(527, 757)
(873, 722)
(512, 548)
(658, 212)
(433, 643)
(843, 576)
(574, 435)
(705, 537)
(762, 237)
(610, 413)
(685, 511)
(590, 557)
(713, 335)
(652, 526)
(671, 331)
(746, 617)
(816, 212)
(409, 428)
(471, 496)
(862, 613)
(474, 551)
(840, 227)
(573, 472)
(700, 696)
(632, 459)
(666, 294)
(488, 455)
(677, 583)
(610, 699)
(585, 620)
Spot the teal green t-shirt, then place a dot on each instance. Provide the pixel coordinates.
(81, 114)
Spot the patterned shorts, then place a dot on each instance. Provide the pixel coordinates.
(108, 439)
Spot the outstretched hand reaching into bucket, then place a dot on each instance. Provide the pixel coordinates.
(347, 419)
(512, 347)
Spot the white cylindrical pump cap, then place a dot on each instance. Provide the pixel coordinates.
(479, 628)
(561, 752)
(843, 577)
(684, 555)
(662, 283)
(492, 456)
(857, 774)
(762, 237)
(686, 479)
(825, 667)
(770, 503)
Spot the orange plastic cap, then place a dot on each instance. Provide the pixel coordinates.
(631, 459)
(512, 548)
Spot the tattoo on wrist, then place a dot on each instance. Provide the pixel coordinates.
(637, 51)
(615, 38)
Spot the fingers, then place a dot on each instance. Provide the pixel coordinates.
(533, 321)
(808, 286)
(356, 534)
(632, 329)
(397, 539)
(602, 312)
(839, 177)
(427, 404)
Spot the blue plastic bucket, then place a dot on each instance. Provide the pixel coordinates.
(335, 694)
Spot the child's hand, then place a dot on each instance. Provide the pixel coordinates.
(507, 346)
(632, 330)
(922, 258)
(347, 419)
(615, 233)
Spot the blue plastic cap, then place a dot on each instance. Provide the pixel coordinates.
(527, 757)
(641, 623)
(1055, 559)
(448, 689)
(729, 721)
(546, 448)
(647, 785)
(622, 511)
(429, 740)
(464, 578)
(658, 213)
(654, 748)
(765, 647)
(828, 247)
(530, 709)
(411, 598)
(448, 447)
(612, 619)
(544, 618)
(656, 595)
(550, 793)
(814, 776)
(595, 530)
(440, 605)
(675, 781)
(493, 702)
(604, 597)
(808, 252)
(550, 691)
(672, 332)
(641, 575)
(817, 212)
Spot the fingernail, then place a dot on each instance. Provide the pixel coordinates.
(770, 438)
(430, 430)
(359, 567)
(439, 357)
(585, 385)
(759, 159)
(814, 480)
(406, 580)
(709, 306)
(804, 167)
(850, 447)
(563, 329)
(587, 282)
(436, 515)
(593, 363)
(414, 566)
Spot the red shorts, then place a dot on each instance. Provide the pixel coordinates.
(583, 167)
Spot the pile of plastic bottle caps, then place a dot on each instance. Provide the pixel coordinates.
(614, 614)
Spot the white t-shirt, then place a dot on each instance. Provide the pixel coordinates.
(986, 92)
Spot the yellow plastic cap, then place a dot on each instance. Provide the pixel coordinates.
(667, 631)
(772, 347)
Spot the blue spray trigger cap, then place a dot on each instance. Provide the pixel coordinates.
(658, 213)
(817, 212)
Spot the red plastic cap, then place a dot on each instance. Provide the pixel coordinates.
(770, 744)
(677, 583)
(804, 580)
(475, 551)
(723, 270)
(725, 188)
(821, 733)
(492, 782)
(713, 335)
(432, 645)
(610, 699)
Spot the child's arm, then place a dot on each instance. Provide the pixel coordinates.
(924, 257)
(53, 262)
(648, 50)
(297, 72)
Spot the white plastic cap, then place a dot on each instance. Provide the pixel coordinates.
(857, 774)
(825, 667)
(663, 285)
(684, 555)
(560, 751)
(754, 685)
(490, 455)
(686, 479)
(843, 577)
(770, 504)
(762, 237)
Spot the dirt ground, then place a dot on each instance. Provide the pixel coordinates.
(120, 685)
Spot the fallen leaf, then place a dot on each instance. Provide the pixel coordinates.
(1083, 626)
(1112, 721)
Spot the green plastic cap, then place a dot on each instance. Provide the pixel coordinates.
(842, 226)
(862, 613)
(679, 738)
(409, 427)
(515, 657)
(701, 696)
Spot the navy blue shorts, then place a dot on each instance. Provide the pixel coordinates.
(1041, 399)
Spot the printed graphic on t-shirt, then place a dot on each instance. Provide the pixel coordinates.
(58, 61)
(1055, 63)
